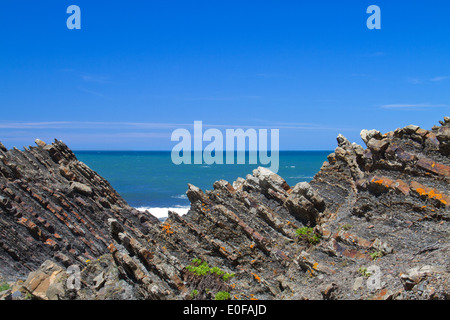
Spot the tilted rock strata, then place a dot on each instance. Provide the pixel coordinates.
(54, 206)
(382, 210)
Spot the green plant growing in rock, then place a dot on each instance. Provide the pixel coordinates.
(222, 295)
(194, 293)
(201, 268)
(227, 276)
(198, 268)
(217, 271)
(207, 282)
(308, 234)
(4, 286)
(363, 271)
(376, 255)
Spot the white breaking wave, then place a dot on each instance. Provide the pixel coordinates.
(164, 212)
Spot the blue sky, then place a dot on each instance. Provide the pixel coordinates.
(137, 70)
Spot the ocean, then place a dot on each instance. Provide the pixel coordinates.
(148, 180)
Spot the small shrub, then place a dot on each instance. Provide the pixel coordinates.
(308, 234)
(201, 268)
(207, 282)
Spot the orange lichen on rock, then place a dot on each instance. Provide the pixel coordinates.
(50, 242)
(167, 228)
(112, 248)
(257, 278)
(379, 181)
(310, 272)
(430, 193)
(397, 185)
(352, 239)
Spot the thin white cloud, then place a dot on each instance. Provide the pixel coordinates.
(414, 80)
(439, 78)
(85, 125)
(95, 93)
(34, 125)
(412, 106)
(422, 80)
(87, 77)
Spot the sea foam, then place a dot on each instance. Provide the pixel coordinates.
(164, 212)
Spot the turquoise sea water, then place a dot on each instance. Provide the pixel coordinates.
(149, 179)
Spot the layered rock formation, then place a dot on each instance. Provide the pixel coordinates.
(54, 206)
(372, 224)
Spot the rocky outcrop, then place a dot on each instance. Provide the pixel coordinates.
(372, 224)
(54, 207)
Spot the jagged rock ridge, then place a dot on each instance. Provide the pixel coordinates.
(383, 208)
(54, 206)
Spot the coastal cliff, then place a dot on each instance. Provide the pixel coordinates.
(372, 224)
